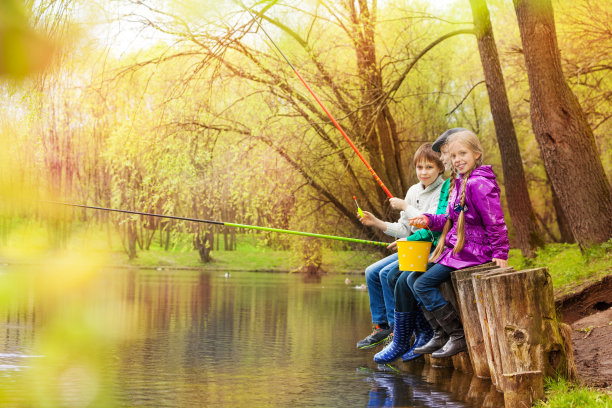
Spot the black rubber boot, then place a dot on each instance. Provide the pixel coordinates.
(439, 338)
(451, 323)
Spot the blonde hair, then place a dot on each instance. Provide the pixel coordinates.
(469, 140)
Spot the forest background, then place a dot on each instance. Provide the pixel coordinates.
(185, 108)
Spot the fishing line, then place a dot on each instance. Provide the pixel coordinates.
(227, 224)
(329, 115)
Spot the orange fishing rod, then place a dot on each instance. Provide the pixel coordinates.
(348, 139)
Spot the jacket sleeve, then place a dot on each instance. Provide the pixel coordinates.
(401, 228)
(486, 199)
(436, 221)
(398, 229)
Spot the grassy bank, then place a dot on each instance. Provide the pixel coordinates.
(251, 254)
(568, 266)
(563, 394)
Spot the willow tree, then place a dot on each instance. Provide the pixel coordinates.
(355, 85)
(566, 140)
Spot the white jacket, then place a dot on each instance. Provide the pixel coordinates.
(420, 201)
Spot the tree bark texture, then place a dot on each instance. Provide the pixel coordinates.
(566, 141)
(460, 361)
(486, 324)
(462, 282)
(527, 233)
(524, 332)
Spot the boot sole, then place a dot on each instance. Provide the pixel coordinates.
(373, 344)
(450, 355)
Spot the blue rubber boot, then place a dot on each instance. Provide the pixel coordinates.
(402, 333)
(422, 334)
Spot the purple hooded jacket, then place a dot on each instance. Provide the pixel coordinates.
(486, 235)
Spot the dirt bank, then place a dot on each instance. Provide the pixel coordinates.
(589, 312)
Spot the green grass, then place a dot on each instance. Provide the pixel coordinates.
(567, 265)
(251, 254)
(563, 394)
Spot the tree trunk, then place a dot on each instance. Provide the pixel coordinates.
(203, 242)
(527, 233)
(565, 230)
(565, 138)
(380, 129)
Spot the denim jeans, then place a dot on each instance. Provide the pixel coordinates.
(424, 285)
(382, 304)
(404, 298)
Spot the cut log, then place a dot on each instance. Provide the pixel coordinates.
(529, 333)
(479, 388)
(460, 361)
(491, 348)
(464, 289)
(494, 399)
(522, 390)
(524, 332)
(439, 362)
(448, 293)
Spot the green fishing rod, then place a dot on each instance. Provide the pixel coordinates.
(227, 224)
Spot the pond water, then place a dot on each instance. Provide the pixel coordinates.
(185, 338)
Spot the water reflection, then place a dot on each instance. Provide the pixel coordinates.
(253, 339)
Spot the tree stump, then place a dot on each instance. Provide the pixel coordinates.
(522, 390)
(464, 289)
(483, 319)
(438, 362)
(525, 333)
(477, 391)
(460, 361)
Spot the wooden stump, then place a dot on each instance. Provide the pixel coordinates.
(460, 361)
(525, 334)
(494, 399)
(490, 347)
(460, 385)
(438, 362)
(464, 289)
(522, 390)
(477, 391)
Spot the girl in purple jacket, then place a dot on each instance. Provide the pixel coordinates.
(473, 232)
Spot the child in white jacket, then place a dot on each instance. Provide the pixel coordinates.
(421, 198)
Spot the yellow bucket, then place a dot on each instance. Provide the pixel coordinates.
(413, 255)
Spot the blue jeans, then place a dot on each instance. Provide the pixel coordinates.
(424, 285)
(382, 304)
(404, 298)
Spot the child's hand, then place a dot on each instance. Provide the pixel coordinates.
(368, 219)
(502, 263)
(392, 246)
(421, 221)
(398, 204)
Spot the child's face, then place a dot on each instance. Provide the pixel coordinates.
(445, 157)
(463, 159)
(427, 172)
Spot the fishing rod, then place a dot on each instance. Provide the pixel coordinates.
(227, 224)
(348, 139)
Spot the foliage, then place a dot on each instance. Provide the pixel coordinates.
(562, 394)
(189, 124)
